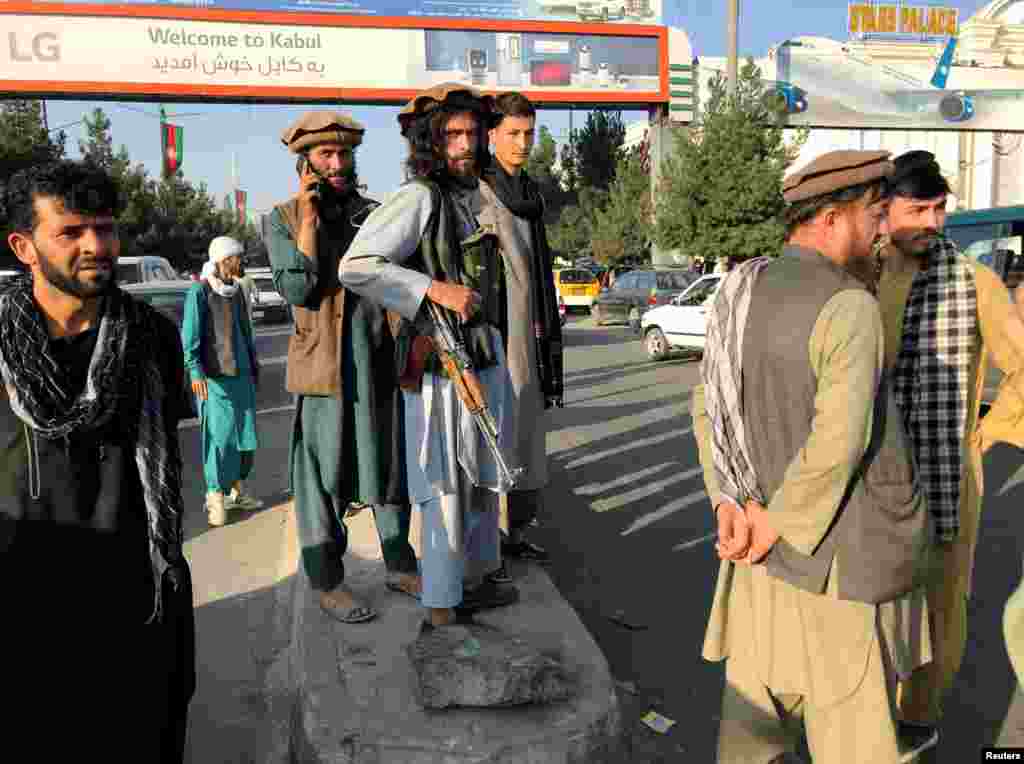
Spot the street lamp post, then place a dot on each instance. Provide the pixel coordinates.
(732, 68)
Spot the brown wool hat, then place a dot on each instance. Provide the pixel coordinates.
(447, 93)
(836, 170)
(316, 127)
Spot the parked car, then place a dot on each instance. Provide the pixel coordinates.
(682, 323)
(142, 270)
(635, 292)
(266, 303)
(579, 287)
(166, 296)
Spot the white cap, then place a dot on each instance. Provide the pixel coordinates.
(224, 247)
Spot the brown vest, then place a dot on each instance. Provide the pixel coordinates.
(314, 351)
(882, 531)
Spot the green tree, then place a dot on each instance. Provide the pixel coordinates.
(592, 153)
(721, 187)
(622, 228)
(24, 139)
(572, 234)
(542, 168)
(98, 147)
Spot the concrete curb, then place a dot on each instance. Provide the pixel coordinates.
(343, 693)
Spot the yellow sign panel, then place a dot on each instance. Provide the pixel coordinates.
(896, 19)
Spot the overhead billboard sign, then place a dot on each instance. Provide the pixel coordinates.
(608, 11)
(902, 20)
(830, 84)
(176, 53)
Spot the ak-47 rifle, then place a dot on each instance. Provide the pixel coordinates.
(458, 367)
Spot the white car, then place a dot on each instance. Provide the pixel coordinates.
(266, 303)
(144, 270)
(682, 323)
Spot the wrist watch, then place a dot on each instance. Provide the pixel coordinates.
(477, 60)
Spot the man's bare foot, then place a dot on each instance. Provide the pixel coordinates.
(341, 605)
(441, 616)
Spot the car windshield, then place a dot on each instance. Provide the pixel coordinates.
(576, 277)
(672, 281)
(160, 271)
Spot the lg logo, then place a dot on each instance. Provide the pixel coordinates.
(41, 47)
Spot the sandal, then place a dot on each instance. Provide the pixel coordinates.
(355, 614)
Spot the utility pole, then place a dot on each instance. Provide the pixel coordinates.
(732, 34)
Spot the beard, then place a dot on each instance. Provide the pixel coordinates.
(463, 170)
(347, 180)
(81, 283)
(918, 244)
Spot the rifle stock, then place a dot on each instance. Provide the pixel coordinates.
(459, 368)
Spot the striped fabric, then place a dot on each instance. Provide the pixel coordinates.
(722, 374)
(932, 377)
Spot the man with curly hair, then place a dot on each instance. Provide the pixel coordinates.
(435, 241)
(97, 597)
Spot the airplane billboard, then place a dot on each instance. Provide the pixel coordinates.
(827, 83)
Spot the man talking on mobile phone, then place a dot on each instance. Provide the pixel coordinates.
(345, 442)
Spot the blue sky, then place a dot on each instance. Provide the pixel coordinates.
(215, 134)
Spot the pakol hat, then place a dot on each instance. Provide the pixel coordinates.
(834, 171)
(224, 247)
(453, 95)
(316, 127)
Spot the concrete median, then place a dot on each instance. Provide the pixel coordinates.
(344, 693)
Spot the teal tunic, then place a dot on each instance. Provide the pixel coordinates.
(228, 415)
(346, 449)
(350, 436)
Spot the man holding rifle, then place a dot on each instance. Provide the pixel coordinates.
(431, 255)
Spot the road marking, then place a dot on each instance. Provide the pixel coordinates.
(654, 439)
(695, 542)
(669, 509)
(592, 489)
(187, 424)
(615, 502)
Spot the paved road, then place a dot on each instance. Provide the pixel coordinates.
(629, 526)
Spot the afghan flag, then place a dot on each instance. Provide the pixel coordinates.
(240, 206)
(173, 148)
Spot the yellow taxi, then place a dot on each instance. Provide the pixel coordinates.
(578, 287)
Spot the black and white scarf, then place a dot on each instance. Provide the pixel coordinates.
(124, 361)
(722, 373)
(931, 380)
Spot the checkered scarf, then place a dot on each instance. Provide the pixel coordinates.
(932, 377)
(123, 362)
(722, 374)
